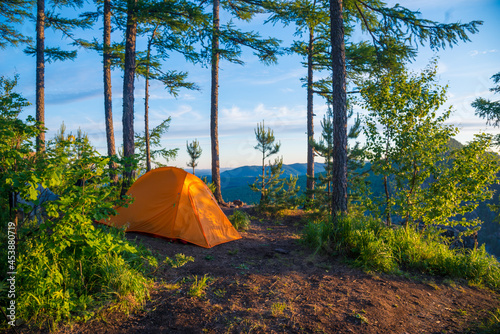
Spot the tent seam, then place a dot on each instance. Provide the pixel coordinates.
(195, 210)
(178, 202)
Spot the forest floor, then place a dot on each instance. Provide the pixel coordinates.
(267, 282)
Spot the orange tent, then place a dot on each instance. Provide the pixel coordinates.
(171, 203)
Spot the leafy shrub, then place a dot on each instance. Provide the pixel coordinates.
(67, 267)
(210, 185)
(240, 220)
(373, 246)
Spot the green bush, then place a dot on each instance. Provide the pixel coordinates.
(63, 280)
(370, 244)
(240, 220)
(67, 268)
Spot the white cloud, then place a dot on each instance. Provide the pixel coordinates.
(234, 114)
(474, 53)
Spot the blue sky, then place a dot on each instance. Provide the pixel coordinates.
(249, 93)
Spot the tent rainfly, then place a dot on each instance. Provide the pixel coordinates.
(171, 203)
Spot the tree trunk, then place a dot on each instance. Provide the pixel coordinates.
(128, 96)
(40, 74)
(263, 175)
(146, 108)
(387, 202)
(214, 104)
(386, 183)
(310, 115)
(339, 106)
(108, 105)
(193, 170)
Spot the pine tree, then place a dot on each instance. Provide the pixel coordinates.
(173, 17)
(165, 39)
(128, 94)
(42, 53)
(267, 146)
(487, 109)
(324, 148)
(110, 53)
(226, 42)
(386, 26)
(194, 150)
(156, 149)
(13, 11)
(339, 106)
(108, 99)
(308, 16)
(311, 18)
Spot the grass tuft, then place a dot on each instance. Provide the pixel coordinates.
(198, 287)
(240, 220)
(373, 246)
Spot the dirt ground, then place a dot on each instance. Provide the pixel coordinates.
(267, 282)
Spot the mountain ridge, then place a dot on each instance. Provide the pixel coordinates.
(255, 170)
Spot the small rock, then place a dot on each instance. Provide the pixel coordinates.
(281, 251)
(238, 203)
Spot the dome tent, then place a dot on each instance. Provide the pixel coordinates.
(171, 203)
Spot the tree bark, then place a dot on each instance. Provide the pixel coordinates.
(108, 106)
(339, 106)
(214, 104)
(146, 107)
(40, 74)
(387, 202)
(263, 173)
(128, 95)
(310, 115)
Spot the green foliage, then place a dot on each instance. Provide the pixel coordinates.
(430, 183)
(356, 177)
(210, 185)
(487, 109)
(371, 245)
(13, 12)
(491, 325)
(265, 142)
(276, 193)
(67, 267)
(240, 220)
(198, 287)
(179, 261)
(155, 137)
(490, 110)
(279, 193)
(277, 309)
(194, 150)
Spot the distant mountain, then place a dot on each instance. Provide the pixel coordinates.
(202, 172)
(254, 171)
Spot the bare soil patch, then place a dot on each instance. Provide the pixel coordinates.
(268, 282)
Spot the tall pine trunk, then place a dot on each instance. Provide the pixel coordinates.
(310, 115)
(146, 107)
(128, 95)
(108, 110)
(214, 135)
(339, 106)
(40, 74)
